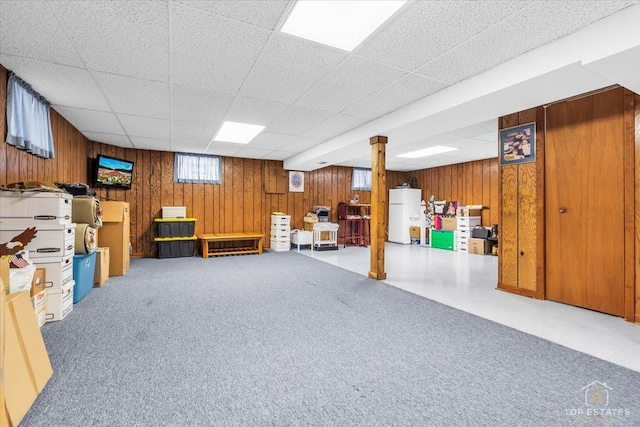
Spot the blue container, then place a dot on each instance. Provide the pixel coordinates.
(84, 267)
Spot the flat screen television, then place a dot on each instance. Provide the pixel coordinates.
(113, 173)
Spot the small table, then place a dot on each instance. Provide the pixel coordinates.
(207, 239)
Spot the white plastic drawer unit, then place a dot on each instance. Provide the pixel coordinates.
(35, 207)
(467, 222)
(42, 240)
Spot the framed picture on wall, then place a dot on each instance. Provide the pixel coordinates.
(296, 182)
(518, 144)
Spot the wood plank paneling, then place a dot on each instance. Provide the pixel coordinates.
(508, 232)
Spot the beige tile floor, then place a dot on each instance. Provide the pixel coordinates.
(468, 282)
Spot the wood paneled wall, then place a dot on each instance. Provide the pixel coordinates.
(632, 128)
(521, 231)
(471, 183)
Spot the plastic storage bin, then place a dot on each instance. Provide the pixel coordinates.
(174, 212)
(174, 227)
(84, 268)
(174, 247)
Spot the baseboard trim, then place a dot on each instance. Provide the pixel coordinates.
(516, 290)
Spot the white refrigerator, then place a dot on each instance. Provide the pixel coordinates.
(404, 211)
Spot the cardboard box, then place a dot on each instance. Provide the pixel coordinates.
(465, 211)
(115, 235)
(478, 246)
(449, 223)
(4, 279)
(38, 300)
(38, 282)
(102, 267)
(414, 232)
(27, 365)
(59, 304)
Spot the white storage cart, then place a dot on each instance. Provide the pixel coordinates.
(325, 236)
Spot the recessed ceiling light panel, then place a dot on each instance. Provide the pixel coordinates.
(437, 149)
(343, 24)
(241, 133)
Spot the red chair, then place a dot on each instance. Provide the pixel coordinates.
(352, 225)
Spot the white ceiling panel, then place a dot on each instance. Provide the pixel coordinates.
(48, 43)
(222, 150)
(273, 141)
(147, 127)
(210, 51)
(489, 136)
(542, 22)
(351, 81)
(288, 67)
(252, 153)
(59, 84)
(410, 88)
(108, 138)
(195, 133)
(429, 28)
(467, 144)
(254, 111)
(122, 37)
(192, 105)
(298, 120)
(279, 155)
(483, 128)
(335, 125)
(90, 120)
(263, 13)
(143, 143)
(138, 97)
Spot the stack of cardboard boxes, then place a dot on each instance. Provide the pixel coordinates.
(24, 363)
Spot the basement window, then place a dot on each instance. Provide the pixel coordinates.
(196, 168)
(361, 179)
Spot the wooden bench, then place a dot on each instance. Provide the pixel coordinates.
(208, 243)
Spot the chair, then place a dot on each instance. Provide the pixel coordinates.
(352, 225)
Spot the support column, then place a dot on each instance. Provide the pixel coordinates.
(378, 206)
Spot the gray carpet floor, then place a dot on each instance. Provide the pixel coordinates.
(282, 339)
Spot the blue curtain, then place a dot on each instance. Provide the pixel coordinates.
(196, 168)
(361, 179)
(28, 121)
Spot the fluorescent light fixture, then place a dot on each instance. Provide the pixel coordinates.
(241, 133)
(343, 24)
(436, 149)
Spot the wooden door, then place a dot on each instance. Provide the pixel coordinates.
(584, 199)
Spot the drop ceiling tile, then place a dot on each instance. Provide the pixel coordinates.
(146, 127)
(297, 120)
(299, 145)
(252, 153)
(108, 138)
(254, 111)
(288, 67)
(335, 125)
(489, 136)
(59, 84)
(348, 83)
(90, 120)
(195, 133)
(263, 13)
(489, 126)
(17, 36)
(279, 155)
(402, 92)
(138, 97)
(426, 29)
(192, 105)
(545, 22)
(467, 143)
(273, 141)
(121, 37)
(143, 143)
(212, 52)
(187, 147)
(223, 150)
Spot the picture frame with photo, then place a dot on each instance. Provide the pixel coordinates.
(518, 144)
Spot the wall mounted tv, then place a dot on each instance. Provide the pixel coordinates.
(113, 173)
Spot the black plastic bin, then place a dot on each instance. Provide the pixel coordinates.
(175, 247)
